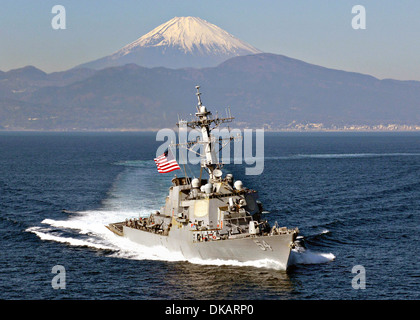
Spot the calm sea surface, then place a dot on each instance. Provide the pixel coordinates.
(354, 197)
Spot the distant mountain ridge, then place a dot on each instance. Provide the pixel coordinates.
(147, 83)
(263, 90)
(178, 43)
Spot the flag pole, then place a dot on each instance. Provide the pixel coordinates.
(183, 164)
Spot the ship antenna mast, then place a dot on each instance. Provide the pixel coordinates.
(203, 122)
(198, 94)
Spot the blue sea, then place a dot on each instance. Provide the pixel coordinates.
(355, 198)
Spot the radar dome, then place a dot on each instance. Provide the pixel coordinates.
(238, 185)
(195, 183)
(208, 188)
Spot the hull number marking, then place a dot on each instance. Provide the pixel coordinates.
(263, 245)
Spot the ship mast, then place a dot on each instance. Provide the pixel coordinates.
(205, 122)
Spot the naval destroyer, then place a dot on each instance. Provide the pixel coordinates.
(216, 218)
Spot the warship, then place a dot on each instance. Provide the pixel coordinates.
(217, 218)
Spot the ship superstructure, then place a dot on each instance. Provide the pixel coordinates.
(213, 218)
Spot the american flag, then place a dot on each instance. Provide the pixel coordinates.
(166, 162)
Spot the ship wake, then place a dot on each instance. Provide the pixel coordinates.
(307, 256)
(128, 199)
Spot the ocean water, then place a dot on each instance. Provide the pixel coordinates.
(354, 197)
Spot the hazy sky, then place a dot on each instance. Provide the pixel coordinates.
(315, 31)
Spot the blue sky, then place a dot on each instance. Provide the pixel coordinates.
(315, 31)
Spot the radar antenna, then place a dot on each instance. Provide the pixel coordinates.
(205, 123)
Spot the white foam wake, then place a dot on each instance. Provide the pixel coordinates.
(46, 235)
(263, 263)
(89, 230)
(92, 224)
(99, 237)
(130, 199)
(306, 256)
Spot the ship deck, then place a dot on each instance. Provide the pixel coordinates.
(117, 228)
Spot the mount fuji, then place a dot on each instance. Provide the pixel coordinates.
(178, 43)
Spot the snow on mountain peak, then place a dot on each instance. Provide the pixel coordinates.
(182, 42)
(191, 35)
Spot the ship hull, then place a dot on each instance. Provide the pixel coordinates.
(274, 248)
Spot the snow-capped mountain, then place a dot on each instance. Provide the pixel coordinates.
(178, 43)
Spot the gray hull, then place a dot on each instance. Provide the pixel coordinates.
(209, 219)
(249, 248)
